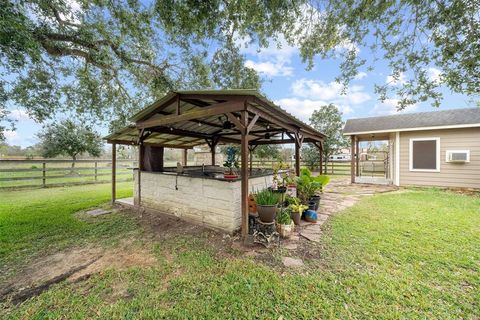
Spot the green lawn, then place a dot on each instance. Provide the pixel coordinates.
(32, 221)
(414, 254)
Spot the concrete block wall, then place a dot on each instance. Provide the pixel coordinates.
(213, 203)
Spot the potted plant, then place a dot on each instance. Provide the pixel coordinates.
(285, 223)
(231, 163)
(280, 170)
(309, 187)
(266, 205)
(297, 209)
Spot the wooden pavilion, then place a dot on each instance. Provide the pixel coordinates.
(184, 119)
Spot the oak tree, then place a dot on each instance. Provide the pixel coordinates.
(68, 138)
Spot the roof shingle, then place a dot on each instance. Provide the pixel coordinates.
(413, 121)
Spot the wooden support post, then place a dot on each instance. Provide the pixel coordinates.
(250, 151)
(352, 161)
(244, 175)
(139, 175)
(212, 150)
(297, 158)
(96, 170)
(357, 166)
(320, 151)
(44, 175)
(185, 157)
(114, 172)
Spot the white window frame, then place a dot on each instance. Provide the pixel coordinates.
(437, 139)
(450, 151)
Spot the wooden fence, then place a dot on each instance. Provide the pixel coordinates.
(333, 167)
(366, 168)
(48, 173)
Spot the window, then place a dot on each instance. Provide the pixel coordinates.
(425, 154)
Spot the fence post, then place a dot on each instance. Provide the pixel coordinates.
(44, 175)
(332, 167)
(95, 170)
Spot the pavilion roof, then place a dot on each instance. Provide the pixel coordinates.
(184, 119)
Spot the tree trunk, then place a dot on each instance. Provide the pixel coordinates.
(74, 158)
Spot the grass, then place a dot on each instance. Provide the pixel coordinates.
(32, 221)
(414, 254)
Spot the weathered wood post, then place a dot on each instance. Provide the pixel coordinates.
(357, 166)
(212, 150)
(44, 174)
(185, 157)
(96, 168)
(297, 158)
(244, 173)
(352, 160)
(114, 172)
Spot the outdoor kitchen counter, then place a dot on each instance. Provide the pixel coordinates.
(210, 201)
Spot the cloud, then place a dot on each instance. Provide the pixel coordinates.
(310, 95)
(434, 74)
(401, 79)
(274, 60)
(19, 115)
(272, 69)
(331, 92)
(360, 76)
(11, 137)
(303, 108)
(10, 134)
(389, 106)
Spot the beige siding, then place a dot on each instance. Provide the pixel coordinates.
(466, 175)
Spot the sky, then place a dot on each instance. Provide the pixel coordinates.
(299, 91)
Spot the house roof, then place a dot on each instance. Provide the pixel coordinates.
(456, 118)
(202, 115)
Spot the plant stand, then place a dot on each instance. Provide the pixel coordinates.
(265, 233)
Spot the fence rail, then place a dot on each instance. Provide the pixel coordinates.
(48, 173)
(54, 172)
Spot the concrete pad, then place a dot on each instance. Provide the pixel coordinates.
(98, 212)
(292, 262)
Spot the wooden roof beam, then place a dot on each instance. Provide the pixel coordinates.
(192, 134)
(282, 124)
(219, 108)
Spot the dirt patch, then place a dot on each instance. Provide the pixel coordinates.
(73, 265)
(118, 258)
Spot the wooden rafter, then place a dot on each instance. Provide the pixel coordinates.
(215, 109)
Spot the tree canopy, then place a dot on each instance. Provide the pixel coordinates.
(69, 139)
(328, 120)
(106, 59)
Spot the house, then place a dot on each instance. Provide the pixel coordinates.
(439, 148)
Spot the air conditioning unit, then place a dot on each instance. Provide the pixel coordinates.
(458, 155)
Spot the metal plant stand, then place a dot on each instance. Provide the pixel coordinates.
(265, 233)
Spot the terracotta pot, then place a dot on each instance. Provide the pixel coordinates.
(296, 218)
(252, 204)
(285, 230)
(267, 213)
